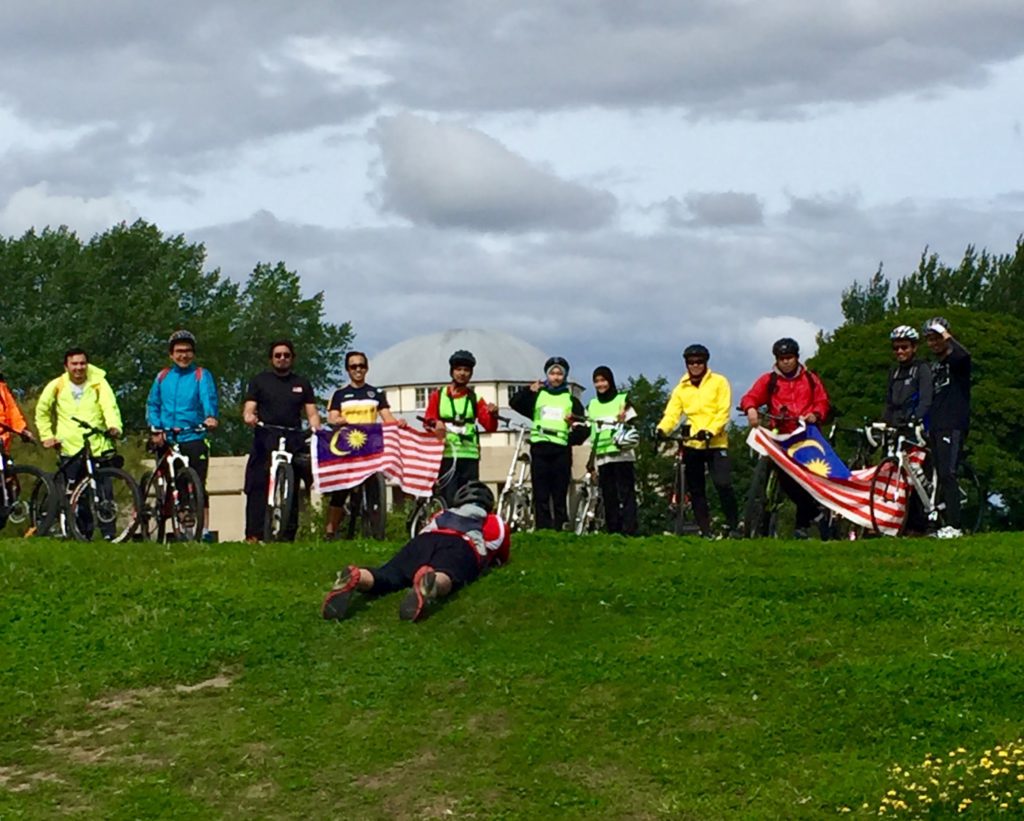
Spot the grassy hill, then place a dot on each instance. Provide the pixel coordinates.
(591, 678)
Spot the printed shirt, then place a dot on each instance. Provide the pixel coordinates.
(359, 406)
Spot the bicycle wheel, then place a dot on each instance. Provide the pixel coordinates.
(375, 514)
(106, 506)
(755, 513)
(585, 502)
(188, 507)
(279, 506)
(774, 499)
(972, 499)
(31, 501)
(153, 515)
(425, 510)
(888, 496)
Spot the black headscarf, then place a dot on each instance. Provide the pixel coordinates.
(606, 372)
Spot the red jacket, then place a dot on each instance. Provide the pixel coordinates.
(490, 545)
(796, 396)
(488, 421)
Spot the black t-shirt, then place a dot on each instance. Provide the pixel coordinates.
(951, 379)
(280, 400)
(359, 406)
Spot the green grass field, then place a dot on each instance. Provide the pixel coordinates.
(591, 678)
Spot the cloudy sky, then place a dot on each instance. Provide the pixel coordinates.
(609, 180)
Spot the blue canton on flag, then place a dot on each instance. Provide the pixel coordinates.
(809, 448)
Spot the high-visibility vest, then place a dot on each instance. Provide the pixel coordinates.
(461, 440)
(598, 411)
(549, 417)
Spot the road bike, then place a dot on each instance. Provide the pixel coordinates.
(515, 503)
(281, 519)
(907, 473)
(589, 514)
(680, 503)
(101, 499)
(28, 498)
(765, 498)
(862, 455)
(173, 500)
(366, 509)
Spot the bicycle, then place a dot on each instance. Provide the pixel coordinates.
(680, 505)
(105, 498)
(765, 498)
(589, 514)
(282, 506)
(28, 498)
(908, 468)
(841, 528)
(515, 503)
(172, 492)
(366, 508)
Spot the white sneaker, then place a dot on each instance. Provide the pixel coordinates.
(948, 532)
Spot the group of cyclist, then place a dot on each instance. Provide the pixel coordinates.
(183, 405)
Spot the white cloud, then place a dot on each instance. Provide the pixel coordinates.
(36, 207)
(444, 174)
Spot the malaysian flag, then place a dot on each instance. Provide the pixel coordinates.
(346, 456)
(815, 470)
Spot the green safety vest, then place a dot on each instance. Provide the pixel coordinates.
(549, 414)
(464, 441)
(599, 411)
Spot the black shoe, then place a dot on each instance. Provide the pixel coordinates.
(337, 601)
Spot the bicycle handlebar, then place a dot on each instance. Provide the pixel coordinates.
(91, 430)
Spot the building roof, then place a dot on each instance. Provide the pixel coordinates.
(423, 360)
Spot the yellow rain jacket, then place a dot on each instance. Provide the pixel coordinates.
(707, 407)
(96, 405)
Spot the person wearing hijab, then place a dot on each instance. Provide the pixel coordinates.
(612, 447)
(556, 416)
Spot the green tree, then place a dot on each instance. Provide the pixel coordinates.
(120, 296)
(866, 303)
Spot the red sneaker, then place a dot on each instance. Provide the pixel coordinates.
(422, 594)
(336, 603)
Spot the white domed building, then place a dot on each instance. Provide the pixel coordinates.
(409, 371)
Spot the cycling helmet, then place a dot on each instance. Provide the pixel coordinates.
(696, 351)
(181, 336)
(904, 332)
(464, 358)
(786, 347)
(625, 437)
(559, 361)
(935, 322)
(474, 493)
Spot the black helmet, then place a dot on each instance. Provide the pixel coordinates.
(696, 351)
(786, 347)
(935, 322)
(181, 336)
(474, 493)
(464, 358)
(559, 361)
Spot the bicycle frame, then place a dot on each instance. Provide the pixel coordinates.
(170, 464)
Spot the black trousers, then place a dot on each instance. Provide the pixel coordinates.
(550, 473)
(806, 508)
(716, 462)
(444, 552)
(198, 454)
(617, 481)
(947, 448)
(257, 475)
(466, 470)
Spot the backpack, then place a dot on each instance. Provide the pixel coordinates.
(160, 377)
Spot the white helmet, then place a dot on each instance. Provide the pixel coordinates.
(625, 437)
(905, 332)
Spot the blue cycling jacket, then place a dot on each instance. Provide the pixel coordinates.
(182, 398)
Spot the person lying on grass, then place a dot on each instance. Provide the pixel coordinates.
(453, 550)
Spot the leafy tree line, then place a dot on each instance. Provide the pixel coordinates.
(122, 293)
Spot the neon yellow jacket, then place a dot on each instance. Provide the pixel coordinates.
(97, 406)
(707, 407)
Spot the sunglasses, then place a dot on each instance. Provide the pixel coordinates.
(284, 355)
(695, 361)
(902, 347)
(358, 366)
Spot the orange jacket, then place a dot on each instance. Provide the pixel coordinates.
(10, 415)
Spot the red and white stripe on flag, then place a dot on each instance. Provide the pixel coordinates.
(850, 498)
(412, 458)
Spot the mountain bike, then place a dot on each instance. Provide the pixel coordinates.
(680, 505)
(173, 501)
(366, 509)
(515, 503)
(281, 518)
(909, 469)
(28, 498)
(100, 498)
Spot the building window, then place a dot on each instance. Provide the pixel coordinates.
(421, 398)
(513, 390)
